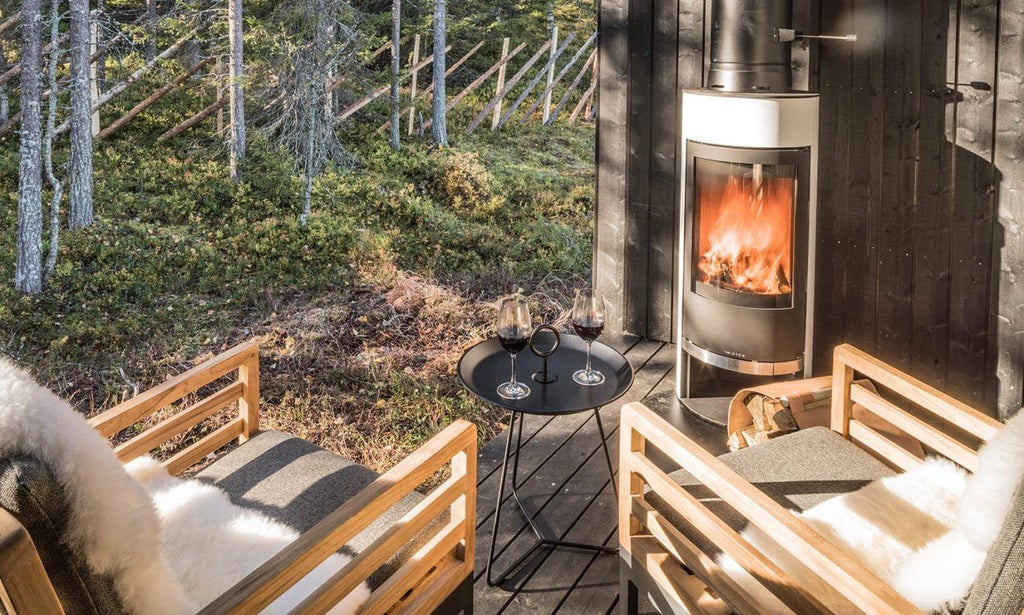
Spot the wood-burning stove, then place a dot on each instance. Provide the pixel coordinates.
(745, 282)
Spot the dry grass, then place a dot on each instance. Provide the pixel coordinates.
(370, 373)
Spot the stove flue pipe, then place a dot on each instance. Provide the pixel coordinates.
(744, 54)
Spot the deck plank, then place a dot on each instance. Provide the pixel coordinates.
(564, 491)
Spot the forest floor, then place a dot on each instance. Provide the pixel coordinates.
(361, 315)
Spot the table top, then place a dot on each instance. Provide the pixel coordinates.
(484, 366)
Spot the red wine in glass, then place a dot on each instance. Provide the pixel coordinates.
(514, 327)
(588, 318)
(512, 343)
(588, 332)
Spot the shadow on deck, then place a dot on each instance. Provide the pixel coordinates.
(564, 482)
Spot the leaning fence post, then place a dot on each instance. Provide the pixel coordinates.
(551, 74)
(415, 79)
(501, 84)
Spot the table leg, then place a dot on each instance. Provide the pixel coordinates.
(501, 495)
(542, 540)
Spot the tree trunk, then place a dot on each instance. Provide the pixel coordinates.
(307, 193)
(101, 62)
(28, 273)
(80, 213)
(396, 66)
(5, 104)
(56, 186)
(235, 93)
(150, 29)
(438, 107)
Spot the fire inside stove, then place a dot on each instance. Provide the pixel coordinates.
(744, 231)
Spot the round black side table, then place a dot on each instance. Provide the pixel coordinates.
(484, 366)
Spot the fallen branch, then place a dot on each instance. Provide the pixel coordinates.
(152, 98)
(10, 22)
(195, 119)
(132, 78)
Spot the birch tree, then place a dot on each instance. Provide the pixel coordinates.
(396, 66)
(80, 213)
(235, 92)
(439, 125)
(56, 186)
(28, 272)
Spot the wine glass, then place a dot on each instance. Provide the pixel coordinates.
(514, 327)
(588, 317)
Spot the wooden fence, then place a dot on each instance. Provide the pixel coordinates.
(552, 72)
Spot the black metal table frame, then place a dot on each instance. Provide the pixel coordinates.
(543, 540)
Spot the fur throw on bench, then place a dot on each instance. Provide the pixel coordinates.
(926, 531)
(170, 545)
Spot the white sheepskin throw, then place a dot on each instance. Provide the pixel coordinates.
(212, 544)
(112, 523)
(926, 532)
(880, 526)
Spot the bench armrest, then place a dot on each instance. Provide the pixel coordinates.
(244, 389)
(648, 537)
(422, 582)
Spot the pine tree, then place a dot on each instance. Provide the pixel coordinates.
(28, 272)
(80, 213)
(235, 92)
(439, 123)
(396, 66)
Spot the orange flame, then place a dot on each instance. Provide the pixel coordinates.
(746, 234)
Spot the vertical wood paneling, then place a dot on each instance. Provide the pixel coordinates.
(833, 181)
(901, 127)
(974, 201)
(638, 172)
(934, 201)
(866, 118)
(664, 131)
(920, 250)
(612, 119)
(1009, 244)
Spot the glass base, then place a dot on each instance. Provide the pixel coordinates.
(588, 379)
(514, 390)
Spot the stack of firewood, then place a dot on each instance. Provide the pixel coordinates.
(772, 418)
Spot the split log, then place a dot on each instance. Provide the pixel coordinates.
(572, 87)
(479, 80)
(152, 98)
(132, 78)
(195, 119)
(362, 102)
(508, 87)
(536, 79)
(551, 86)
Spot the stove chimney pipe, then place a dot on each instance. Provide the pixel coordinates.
(744, 54)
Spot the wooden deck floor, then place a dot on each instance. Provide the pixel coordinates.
(564, 477)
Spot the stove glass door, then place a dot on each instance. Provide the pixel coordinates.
(743, 232)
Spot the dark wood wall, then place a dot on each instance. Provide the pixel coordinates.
(921, 187)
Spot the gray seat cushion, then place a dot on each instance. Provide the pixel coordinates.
(30, 492)
(798, 470)
(297, 483)
(999, 589)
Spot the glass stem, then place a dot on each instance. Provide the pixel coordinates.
(589, 371)
(512, 381)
